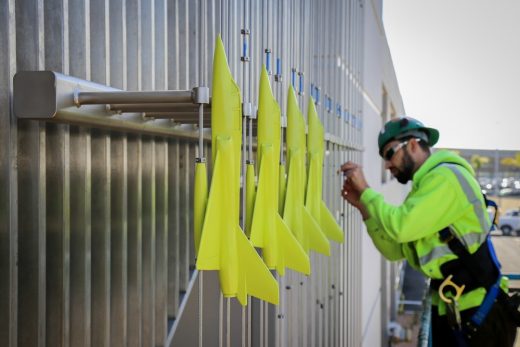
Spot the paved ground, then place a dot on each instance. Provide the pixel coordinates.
(508, 252)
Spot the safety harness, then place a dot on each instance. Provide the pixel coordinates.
(480, 269)
(471, 271)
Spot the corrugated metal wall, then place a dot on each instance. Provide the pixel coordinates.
(96, 226)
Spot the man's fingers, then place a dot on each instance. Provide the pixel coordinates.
(348, 166)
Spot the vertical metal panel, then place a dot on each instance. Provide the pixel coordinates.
(148, 241)
(172, 44)
(79, 38)
(118, 43)
(118, 240)
(80, 180)
(58, 234)
(160, 51)
(31, 189)
(173, 229)
(101, 227)
(31, 186)
(119, 182)
(133, 44)
(8, 190)
(80, 238)
(99, 41)
(135, 193)
(147, 47)
(183, 43)
(58, 189)
(161, 241)
(184, 243)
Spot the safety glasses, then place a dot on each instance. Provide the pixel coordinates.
(393, 150)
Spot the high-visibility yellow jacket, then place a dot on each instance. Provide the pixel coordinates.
(444, 193)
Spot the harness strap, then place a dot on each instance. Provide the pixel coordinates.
(465, 258)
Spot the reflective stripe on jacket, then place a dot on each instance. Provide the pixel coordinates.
(444, 193)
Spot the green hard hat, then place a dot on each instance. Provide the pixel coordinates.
(401, 127)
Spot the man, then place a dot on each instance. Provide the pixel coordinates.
(440, 229)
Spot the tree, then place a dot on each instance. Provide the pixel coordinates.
(510, 161)
(477, 161)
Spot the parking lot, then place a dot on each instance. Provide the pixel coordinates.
(508, 252)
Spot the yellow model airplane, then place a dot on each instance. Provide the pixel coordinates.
(223, 245)
(280, 248)
(313, 200)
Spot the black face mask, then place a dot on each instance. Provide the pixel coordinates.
(406, 173)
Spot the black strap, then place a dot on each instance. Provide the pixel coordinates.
(492, 204)
(475, 268)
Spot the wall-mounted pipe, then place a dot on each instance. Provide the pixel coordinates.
(52, 98)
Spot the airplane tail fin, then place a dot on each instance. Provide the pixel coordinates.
(329, 225)
(259, 282)
(294, 255)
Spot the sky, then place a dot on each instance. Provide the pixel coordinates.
(458, 67)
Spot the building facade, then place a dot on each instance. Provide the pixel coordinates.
(96, 223)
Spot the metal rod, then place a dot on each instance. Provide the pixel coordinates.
(221, 320)
(243, 326)
(244, 59)
(201, 130)
(250, 156)
(261, 304)
(244, 126)
(201, 304)
(190, 117)
(148, 107)
(228, 325)
(167, 96)
(249, 321)
(201, 150)
(266, 324)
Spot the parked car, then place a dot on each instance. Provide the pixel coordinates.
(509, 222)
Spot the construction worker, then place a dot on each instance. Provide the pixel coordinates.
(442, 230)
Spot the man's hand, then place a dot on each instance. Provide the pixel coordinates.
(355, 177)
(353, 186)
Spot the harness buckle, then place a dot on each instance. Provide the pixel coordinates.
(448, 282)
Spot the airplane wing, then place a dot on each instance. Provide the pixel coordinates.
(260, 283)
